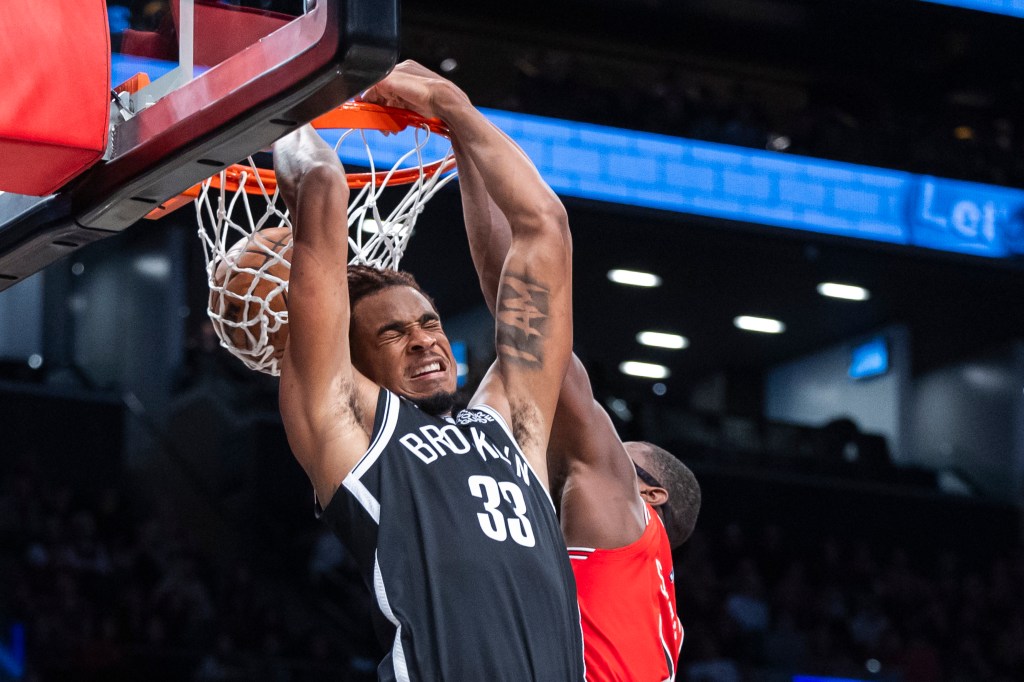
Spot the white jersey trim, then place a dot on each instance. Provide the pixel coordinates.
(580, 553)
(382, 438)
(508, 432)
(668, 652)
(397, 651)
(373, 453)
(365, 498)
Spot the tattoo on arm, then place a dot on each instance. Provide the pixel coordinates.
(522, 318)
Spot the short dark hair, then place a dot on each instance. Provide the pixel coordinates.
(683, 492)
(364, 280)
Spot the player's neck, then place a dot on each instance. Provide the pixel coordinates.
(439, 404)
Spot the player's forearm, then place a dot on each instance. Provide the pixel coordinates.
(574, 418)
(486, 227)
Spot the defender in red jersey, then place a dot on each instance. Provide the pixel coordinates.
(621, 516)
(623, 638)
(623, 507)
(624, 642)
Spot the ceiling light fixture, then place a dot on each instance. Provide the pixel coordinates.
(634, 278)
(663, 340)
(645, 370)
(765, 325)
(845, 291)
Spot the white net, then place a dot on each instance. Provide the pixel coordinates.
(246, 238)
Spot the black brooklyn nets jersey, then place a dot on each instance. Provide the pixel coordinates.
(459, 543)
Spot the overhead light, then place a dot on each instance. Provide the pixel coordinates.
(765, 325)
(844, 291)
(779, 143)
(646, 370)
(634, 278)
(154, 266)
(663, 340)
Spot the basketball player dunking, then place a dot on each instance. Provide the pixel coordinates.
(449, 518)
(623, 506)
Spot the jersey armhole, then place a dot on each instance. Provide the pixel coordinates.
(384, 420)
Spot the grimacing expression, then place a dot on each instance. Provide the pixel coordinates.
(397, 342)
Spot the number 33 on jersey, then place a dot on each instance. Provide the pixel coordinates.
(494, 523)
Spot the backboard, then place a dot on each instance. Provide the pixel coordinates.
(219, 81)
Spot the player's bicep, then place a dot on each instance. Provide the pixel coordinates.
(318, 378)
(600, 502)
(533, 331)
(326, 405)
(318, 311)
(321, 393)
(588, 443)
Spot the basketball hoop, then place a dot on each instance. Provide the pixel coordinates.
(247, 293)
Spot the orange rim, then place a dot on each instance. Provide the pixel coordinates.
(354, 114)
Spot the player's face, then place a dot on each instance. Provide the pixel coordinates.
(398, 342)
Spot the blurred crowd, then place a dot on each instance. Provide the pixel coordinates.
(104, 592)
(110, 588)
(762, 605)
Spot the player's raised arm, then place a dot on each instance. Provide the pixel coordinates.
(601, 506)
(324, 402)
(533, 333)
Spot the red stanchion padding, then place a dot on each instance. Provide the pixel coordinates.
(54, 92)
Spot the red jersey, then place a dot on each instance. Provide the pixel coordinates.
(631, 631)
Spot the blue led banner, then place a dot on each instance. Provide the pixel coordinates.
(12, 656)
(721, 181)
(1013, 8)
(748, 185)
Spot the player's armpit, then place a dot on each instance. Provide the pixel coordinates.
(328, 433)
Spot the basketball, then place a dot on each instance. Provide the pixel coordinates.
(249, 293)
